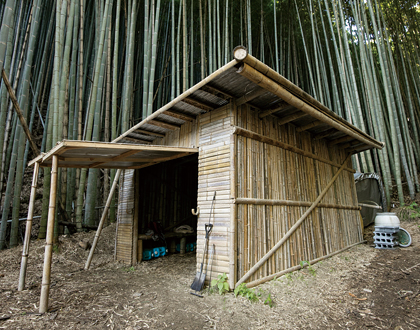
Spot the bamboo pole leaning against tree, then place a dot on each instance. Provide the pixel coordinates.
(293, 228)
(19, 112)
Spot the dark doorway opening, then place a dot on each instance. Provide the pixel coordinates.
(167, 192)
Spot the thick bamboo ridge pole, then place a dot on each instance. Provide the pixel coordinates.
(46, 275)
(295, 268)
(293, 228)
(257, 201)
(25, 250)
(265, 139)
(273, 87)
(241, 54)
(178, 99)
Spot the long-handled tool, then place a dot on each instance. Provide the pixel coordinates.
(200, 277)
(208, 271)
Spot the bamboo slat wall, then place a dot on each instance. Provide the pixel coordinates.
(124, 243)
(268, 172)
(185, 136)
(214, 175)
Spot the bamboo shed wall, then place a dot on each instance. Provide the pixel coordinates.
(267, 173)
(214, 175)
(126, 238)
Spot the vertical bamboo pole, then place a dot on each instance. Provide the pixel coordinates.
(46, 275)
(233, 228)
(101, 223)
(25, 250)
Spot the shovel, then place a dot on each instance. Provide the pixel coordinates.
(204, 274)
(200, 277)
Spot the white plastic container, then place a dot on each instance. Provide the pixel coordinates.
(387, 220)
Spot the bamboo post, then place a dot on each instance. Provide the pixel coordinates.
(19, 112)
(46, 275)
(101, 223)
(25, 250)
(293, 228)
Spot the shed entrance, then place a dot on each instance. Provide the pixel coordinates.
(167, 193)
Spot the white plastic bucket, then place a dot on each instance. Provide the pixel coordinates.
(387, 219)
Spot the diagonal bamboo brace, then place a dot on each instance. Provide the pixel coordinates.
(294, 227)
(101, 223)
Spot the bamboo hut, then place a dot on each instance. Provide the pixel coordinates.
(268, 149)
(278, 160)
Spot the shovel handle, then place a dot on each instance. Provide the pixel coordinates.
(208, 228)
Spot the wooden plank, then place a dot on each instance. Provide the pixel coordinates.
(179, 115)
(163, 124)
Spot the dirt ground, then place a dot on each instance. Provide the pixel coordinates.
(361, 288)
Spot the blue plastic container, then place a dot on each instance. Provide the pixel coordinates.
(162, 251)
(147, 254)
(178, 248)
(156, 252)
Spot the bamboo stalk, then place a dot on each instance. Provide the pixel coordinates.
(294, 227)
(19, 112)
(101, 223)
(26, 243)
(295, 268)
(46, 274)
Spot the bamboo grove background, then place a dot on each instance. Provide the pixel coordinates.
(88, 70)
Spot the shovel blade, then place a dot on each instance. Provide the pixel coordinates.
(198, 282)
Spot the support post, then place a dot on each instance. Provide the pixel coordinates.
(101, 223)
(46, 275)
(25, 250)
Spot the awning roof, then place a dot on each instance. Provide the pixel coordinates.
(87, 154)
(247, 80)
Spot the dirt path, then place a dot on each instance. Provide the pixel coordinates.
(362, 288)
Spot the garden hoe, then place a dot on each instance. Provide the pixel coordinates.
(200, 277)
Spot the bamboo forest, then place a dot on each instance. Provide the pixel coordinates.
(90, 70)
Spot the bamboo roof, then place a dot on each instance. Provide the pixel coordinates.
(247, 80)
(88, 154)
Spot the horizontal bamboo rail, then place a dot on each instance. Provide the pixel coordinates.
(258, 201)
(295, 268)
(293, 228)
(333, 120)
(261, 138)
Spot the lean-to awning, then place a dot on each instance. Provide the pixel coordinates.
(88, 154)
